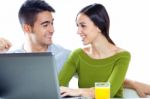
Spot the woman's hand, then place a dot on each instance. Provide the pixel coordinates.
(4, 45)
(85, 92)
(65, 91)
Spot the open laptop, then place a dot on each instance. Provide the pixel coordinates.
(28, 76)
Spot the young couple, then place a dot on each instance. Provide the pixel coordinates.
(102, 61)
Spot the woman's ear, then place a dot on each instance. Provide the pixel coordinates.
(98, 30)
(27, 28)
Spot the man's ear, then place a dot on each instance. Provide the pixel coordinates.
(27, 28)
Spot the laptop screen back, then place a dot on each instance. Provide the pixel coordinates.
(28, 76)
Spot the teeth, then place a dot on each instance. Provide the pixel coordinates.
(83, 37)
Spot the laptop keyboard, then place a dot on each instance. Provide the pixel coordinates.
(74, 97)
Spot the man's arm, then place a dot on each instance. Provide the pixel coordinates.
(142, 89)
(129, 84)
(4, 45)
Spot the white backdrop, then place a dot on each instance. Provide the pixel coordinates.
(130, 21)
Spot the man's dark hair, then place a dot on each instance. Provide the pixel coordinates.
(29, 10)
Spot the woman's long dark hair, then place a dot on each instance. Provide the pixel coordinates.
(98, 14)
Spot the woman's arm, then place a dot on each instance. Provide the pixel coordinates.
(4, 45)
(117, 76)
(68, 69)
(142, 89)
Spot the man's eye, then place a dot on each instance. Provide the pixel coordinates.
(77, 25)
(52, 23)
(45, 25)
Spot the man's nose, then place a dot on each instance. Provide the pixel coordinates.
(51, 28)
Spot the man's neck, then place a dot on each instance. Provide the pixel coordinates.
(35, 48)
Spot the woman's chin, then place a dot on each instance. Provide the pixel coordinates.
(85, 43)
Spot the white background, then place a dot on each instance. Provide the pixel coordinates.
(129, 28)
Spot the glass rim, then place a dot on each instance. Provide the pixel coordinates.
(102, 84)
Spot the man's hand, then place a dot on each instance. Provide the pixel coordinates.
(4, 45)
(142, 89)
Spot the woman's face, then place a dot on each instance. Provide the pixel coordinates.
(87, 30)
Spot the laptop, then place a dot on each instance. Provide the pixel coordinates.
(29, 76)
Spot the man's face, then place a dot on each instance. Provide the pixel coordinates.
(42, 31)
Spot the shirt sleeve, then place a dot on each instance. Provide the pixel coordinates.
(68, 70)
(118, 75)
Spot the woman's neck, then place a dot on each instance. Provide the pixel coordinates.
(101, 50)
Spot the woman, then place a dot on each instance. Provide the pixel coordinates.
(4, 45)
(101, 61)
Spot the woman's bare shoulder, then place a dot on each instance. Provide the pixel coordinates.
(118, 50)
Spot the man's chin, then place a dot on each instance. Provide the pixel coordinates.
(49, 43)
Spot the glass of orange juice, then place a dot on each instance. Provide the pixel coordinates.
(102, 90)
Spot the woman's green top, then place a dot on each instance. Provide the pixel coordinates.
(112, 69)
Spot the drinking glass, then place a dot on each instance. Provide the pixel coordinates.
(102, 90)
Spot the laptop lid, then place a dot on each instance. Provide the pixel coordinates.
(28, 76)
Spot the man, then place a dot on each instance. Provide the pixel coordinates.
(36, 19)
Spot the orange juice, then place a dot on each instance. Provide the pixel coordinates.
(102, 90)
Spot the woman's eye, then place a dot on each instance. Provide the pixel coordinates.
(83, 26)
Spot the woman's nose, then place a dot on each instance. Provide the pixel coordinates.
(79, 30)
